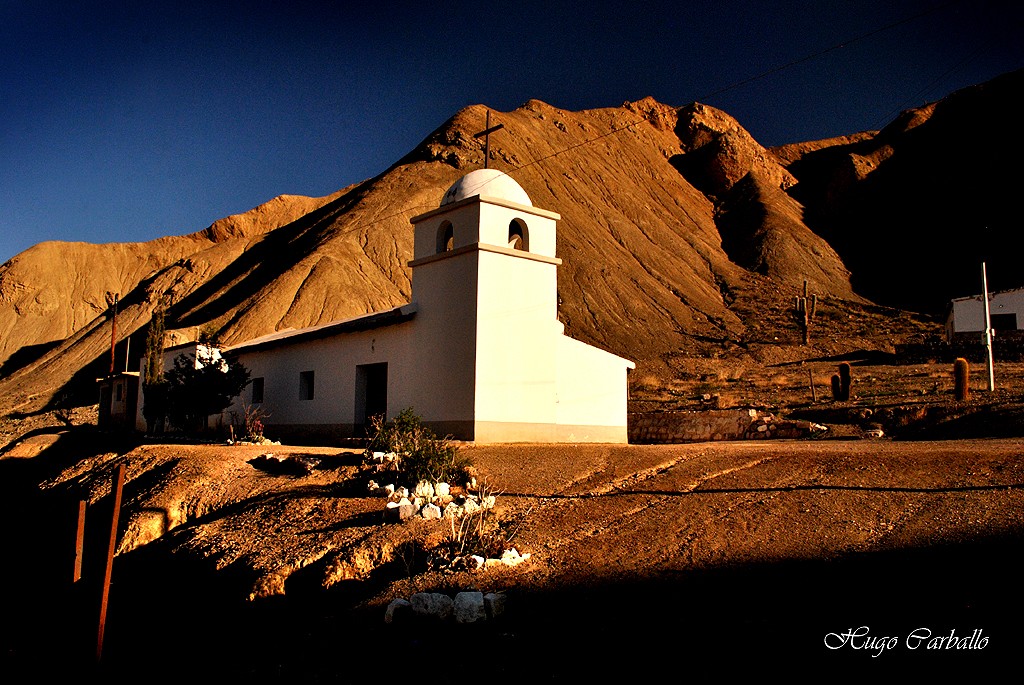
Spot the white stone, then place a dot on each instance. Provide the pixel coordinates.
(399, 511)
(396, 609)
(424, 489)
(452, 511)
(389, 490)
(512, 557)
(431, 512)
(442, 490)
(494, 604)
(468, 607)
(432, 604)
(470, 506)
(488, 502)
(477, 561)
(402, 492)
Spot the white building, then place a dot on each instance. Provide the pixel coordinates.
(967, 314)
(479, 353)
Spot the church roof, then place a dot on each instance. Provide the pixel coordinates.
(360, 323)
(487, 182)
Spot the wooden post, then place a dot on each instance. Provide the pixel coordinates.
(115, 491)
(814, 393)
(79, 541)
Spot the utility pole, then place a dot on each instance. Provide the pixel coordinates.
(988, 329)
(113, 335)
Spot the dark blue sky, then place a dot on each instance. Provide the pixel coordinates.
(127, 121)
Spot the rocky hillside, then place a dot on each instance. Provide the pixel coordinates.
(915, 209)
(679, 230)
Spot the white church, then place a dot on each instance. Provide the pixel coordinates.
(478, 354)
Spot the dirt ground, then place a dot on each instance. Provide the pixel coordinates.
(714, 558)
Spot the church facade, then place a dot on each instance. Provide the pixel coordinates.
(478, 353)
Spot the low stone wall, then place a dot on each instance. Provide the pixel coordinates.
(712, 425)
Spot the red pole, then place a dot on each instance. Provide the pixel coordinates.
(79, 540)
(116, 488)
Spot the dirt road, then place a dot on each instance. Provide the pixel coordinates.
(666, 560)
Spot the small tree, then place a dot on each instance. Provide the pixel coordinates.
(154, 390)
(202, 384)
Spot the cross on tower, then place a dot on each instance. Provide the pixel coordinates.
(486, 133)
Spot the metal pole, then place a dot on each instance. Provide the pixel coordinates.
(116, 488)
(113, 335)
(988, 329)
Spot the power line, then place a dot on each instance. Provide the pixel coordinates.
(916, 97)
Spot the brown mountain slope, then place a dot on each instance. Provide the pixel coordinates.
(644, 273)
(915, 209)
(55, 289)
(762, 227)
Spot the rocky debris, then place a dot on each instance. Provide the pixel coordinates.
(716, 424)
(767, 426)
(259, 440)
(474, 562)
(431, 501)
(471, 606)
(874, 433)
(287, 465)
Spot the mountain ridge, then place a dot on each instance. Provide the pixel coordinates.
(677, 228)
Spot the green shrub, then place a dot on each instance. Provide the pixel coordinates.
(420, 454)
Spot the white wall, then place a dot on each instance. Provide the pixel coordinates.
(516, 332)
(464, 218)
(592, 387)
(968, 314)
(333, 361)
(495, 220)
(444, 339)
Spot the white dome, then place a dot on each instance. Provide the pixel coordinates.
(489, 182)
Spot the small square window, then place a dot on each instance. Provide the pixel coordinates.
(257, 390)
(306, 385)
